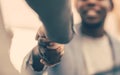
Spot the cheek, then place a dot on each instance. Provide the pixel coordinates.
(79, 5)
(75, 4)
(106, 5)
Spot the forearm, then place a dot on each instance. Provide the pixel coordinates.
(56, 16)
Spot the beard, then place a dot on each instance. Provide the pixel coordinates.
(93, 26)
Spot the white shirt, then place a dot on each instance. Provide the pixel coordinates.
(97, 54)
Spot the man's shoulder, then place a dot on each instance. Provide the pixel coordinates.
(114, 41)
(116, 49)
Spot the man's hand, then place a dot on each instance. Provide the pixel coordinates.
(50, 51)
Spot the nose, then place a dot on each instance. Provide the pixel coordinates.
(91, 3)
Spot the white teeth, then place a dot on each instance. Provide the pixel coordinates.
(91, 13)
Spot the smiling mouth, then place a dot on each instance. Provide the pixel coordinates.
(92, 13)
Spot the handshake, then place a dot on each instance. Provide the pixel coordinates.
(50, 52)
(57, 30)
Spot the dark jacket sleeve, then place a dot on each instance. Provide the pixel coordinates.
(56, 16)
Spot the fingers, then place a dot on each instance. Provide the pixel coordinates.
(43, 42)
(45, 63)
(40, 33)
(53, 45)
(58, 47)
(50, 52)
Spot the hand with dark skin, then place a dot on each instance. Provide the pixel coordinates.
(46, 52)
(50, 52)
(56, 15)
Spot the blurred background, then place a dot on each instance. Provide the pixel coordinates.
(19, 25)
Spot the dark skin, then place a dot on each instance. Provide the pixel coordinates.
(93, 14)
(46, 49)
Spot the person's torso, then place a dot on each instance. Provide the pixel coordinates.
(86, 56)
